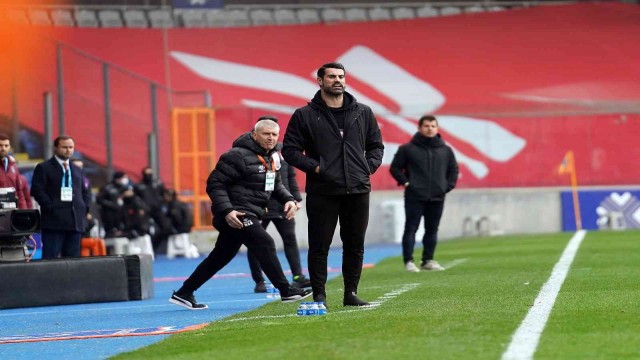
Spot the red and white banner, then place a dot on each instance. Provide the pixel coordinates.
(513, 90)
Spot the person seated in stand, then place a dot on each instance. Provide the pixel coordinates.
(178, 212)
(135, 215)
(110, 200)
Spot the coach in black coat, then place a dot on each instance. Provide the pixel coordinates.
(63, 214)
(336, 141)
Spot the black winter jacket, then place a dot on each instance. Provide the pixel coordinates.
(346, 162)
(428, 165)
(238, 181)
(288, 177)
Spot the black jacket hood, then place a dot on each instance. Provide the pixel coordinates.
(427, 142)
(318, 101)
(246, 141)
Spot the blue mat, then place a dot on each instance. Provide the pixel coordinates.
(95, 327)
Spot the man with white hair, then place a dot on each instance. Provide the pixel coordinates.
(240, 187)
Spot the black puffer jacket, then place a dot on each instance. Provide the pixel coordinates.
(346, 162)
(238, 181)
(428, 165)
(288, 177)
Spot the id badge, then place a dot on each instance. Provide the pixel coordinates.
(270, 181)
(66, 194)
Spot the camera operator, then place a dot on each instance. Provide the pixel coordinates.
(9, 174)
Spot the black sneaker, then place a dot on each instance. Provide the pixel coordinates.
(295, 294)
(351, 299)
(300, 281)
(260, 287)
(187, 301)
(321, 298)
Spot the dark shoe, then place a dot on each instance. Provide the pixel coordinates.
(321, 298)
(260, 287)
(295, 294)
(186, 301)
(351, 299)
(300, 281)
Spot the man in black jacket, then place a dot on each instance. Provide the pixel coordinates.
(240, 187)
(286, 228)
(337, 142)
(427, 169)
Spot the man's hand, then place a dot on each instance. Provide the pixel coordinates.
(232, 219)
(317, 169)
(290, 209)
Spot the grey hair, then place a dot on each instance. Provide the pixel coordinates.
(266, 124)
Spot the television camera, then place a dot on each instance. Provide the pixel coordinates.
(16, 226)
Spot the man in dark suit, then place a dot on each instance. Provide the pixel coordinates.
(57, 185)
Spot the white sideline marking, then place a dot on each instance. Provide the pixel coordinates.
(455, 262)
(373, 304)
(525, 340)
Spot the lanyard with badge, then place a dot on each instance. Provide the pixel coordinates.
(270, 176)
(66, 191)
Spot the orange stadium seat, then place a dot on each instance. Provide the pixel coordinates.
(92, 247)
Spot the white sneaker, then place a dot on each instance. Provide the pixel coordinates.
(411, 267)
(432, 265)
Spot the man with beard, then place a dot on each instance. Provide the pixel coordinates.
(57, 186)
(336, 141)
(10, 176)
(428, 170)
(240, 187)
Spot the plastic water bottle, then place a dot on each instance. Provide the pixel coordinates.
(272, 292)
(322, 310)
(312, 309)
(302, 309)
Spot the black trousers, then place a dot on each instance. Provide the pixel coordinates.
(414, 211)
(60, 243)
(323, 212)
(255, 238)
(287, 230)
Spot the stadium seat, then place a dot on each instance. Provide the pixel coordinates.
(92, 247)
(496, 8)
(117, 246)
(285, 17)
(160, 18)
(355, 14)
(426, 11)
(141, 245)
(378, 13)
(62, 18)
(39, 17)
(450, 10)
(239, 18)
(17, 17)
(402, 13)
(473, 9)
(330, 15)
(309, 16)
(262, 17)
(180, 245)
(110, 19)
(193, 19)
(86, 18)
(217, 18)
(135, 19)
